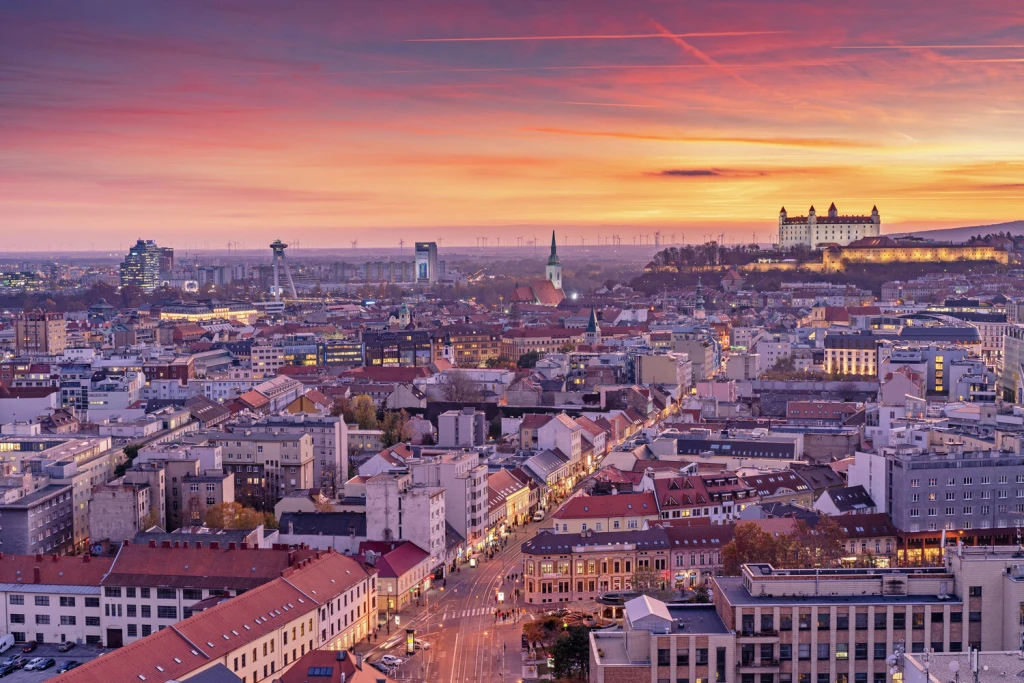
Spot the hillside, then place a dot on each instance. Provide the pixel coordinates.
(962, 234)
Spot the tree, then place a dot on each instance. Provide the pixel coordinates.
(567, 348)
(131, 451)
(323, 504)
(498, 362)
(342, 408)
(647, 581)
(395, 427)
(701, 594)
(365, 412)
(750, 543)
(236, 516)
(821, 546)
(494, 428)
(572, 653)
(460, 387)
(528, 360)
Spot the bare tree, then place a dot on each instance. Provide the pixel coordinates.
(460, 387)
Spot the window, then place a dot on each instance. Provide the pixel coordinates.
(166, 612)
(682, 658)
(66, 620)
(702, 656)
(860, 651)
(937, 618)
(842, 622)
(192, 594)
(146, 630)
(145, 611)
(166, 594)
(132, 610)
(956, 617)
(805, 621)
(899, 621)
(92, 621)
(785, 622)
(144, 594)
(67, 602)
(973, 591)
(664, 658)
(785, 651)
(842, 651)
(879, 650)
(17, 599)
(129, 592)
(17, 618)
(133, 630)
(862, 621)
(823, 621)
(42, 601)
(42, 618)
(112, 591)
(917, 620)
(804, 650)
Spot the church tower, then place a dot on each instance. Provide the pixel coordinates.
(698, 311)
(592, 336)
(553, 271)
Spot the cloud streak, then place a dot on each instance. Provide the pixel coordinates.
(620, 36)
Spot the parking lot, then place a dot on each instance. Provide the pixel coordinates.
(80, 653)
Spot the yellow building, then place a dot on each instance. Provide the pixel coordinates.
(204, 311)
(884, 250)
(471, 346)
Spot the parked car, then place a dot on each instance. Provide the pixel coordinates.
(421, 645)
(6, 642)
(65, 646)
(34, 663)
(30, 646)
(392, 660)
(67, 666)
(16, 660)
(7, 669)
(538, 516)
(47, 663)
(381, 667)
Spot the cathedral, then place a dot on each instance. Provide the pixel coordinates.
(812, 230)
(546, 292)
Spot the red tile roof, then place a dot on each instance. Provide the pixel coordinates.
(620, 505)
(394, 559)
(54, 570)
(206, 567)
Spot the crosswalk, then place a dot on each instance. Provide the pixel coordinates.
(461, 614)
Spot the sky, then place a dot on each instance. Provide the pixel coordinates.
(323, 122)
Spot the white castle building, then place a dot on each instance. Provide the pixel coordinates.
(810, 230)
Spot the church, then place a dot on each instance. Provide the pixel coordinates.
(546, 292)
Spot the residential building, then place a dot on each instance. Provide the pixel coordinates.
(851, 354)
(466, 428)
(39, 334)
(400, 348)
(266, 466)
(404, 511)
(329, 436)
(467, 346)
(464, 479)
(40, 521)
(617, 512)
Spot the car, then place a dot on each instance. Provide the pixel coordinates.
(538, 516)
(392, 660)
(46, 664)
(421, 645)
(30, 646)
(65, 646)
(16, 660)
(381, 667)
(67, 666)
(7, 669)
(34, 663)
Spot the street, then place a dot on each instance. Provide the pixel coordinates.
(467, 644)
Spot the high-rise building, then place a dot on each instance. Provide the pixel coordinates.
(166, 259)
(38, 333)
(141, 266)
(426, 263)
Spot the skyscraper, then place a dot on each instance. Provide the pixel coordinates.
(426, 263)
(141, 266)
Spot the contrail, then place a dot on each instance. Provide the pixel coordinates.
(613, 36)
(928, 47)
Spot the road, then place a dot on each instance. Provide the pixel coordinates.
(467, 644)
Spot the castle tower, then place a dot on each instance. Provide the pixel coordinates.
(592, 336)
(833, 212)
(553, 271)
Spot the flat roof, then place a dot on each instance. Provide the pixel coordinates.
(733, 590)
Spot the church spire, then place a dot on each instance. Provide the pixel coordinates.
(553, 259)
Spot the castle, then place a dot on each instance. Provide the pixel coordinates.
(810, 230)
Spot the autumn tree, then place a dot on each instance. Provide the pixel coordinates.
(237, 516)
(647, 581)
(365, 412)
(572, 653)
(395, 427)
(342, 407)
(498, 362)
(460, 387)
(750, 544)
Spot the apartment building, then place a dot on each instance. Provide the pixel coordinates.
(990, 579)
(266, 466)
(464, 479)
(329, 436)
(851, 354)
(37, 521)
(39, 334)
(266, 360)
(400, 510)
(52, 598)
(327, 601)
(621, 512)
(469, 346)
(466, 428)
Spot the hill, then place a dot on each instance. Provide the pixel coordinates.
(962, 234)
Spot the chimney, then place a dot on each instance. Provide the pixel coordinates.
(184, 544)
(291, 527)
(152, 543)
(54, 558)
(177, 544)
(215, 545)
(39, 557)
(87, 558)
(199, 544)
(359, 661)
(36, 578)
(244, 545)
(165, 544)
(232, 545)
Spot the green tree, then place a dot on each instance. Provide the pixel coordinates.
(131, 451)
(499, 362)
(394, 426)
(572, 653)
(701, 594)
(528, 360)
(648, 581)
(365, 412)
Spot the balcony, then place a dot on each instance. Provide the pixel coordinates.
(766, 636)
(759, 666)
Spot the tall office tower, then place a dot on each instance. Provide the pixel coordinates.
(278, 247)
(166, 259)
(141, 266)
(426, 263)
(38, 333)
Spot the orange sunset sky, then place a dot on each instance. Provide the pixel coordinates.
(207, 122)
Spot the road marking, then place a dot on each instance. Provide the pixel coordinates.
(455, 651)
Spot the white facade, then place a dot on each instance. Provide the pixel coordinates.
(402, 511)
(464, 479)
(810, 231)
